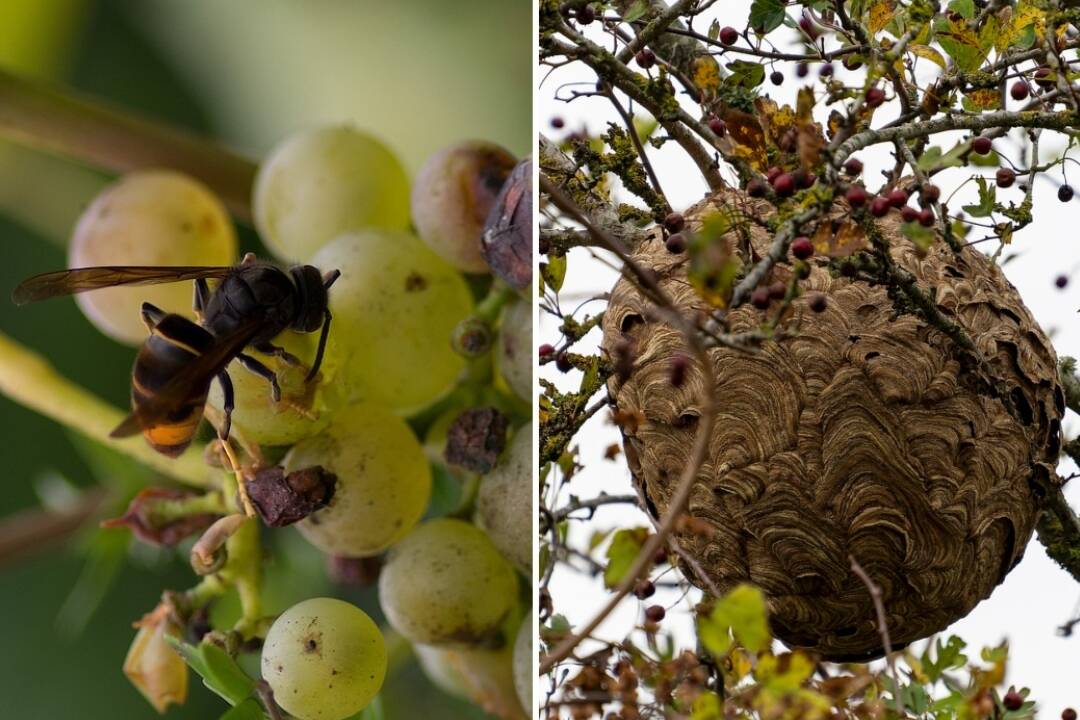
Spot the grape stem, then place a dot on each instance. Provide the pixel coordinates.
(113, 139)
(26, 378)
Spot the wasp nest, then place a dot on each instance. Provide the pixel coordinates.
(865, 433)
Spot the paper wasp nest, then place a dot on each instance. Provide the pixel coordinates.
(865, 434)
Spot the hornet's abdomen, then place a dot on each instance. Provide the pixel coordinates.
(173, 343)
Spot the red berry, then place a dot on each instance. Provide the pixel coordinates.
(909, 214)
(1042, 77)
(802, 248)
(1012, 700)
(817, 302)
(1068, 714)
(674, 222)
(729, 36)
(718, 126)
(777, 290)
(802, 70)
(646, 58)
(926, 217)
(772, 173)
(586, 14)
(826, 70)
(655, 613)
(1019, 90)
(776, 77)
(856, 195)
(1005, 177)
(803, 179)
(644, 589)
(897, 198)
(676, 243)
(879, 206)
(929, 194)
(1061, 281)
(1065, 193)
(981, 145)
(808, 27)
(853, 166)
(562, 362)
(755, 188)
(546, 350)
(875, 97)
(558, 123)
(759, 298)
(784, 184)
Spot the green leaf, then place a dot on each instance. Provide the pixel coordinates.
(219, 671)
(915, 698)
(960, 43)
(965, 7)
(638, 9)
(250, 709)
(766, 16)
(987, 198)
(916, 233)
(745, 74)
(554, 272)
(714, 30)
(741, 612)
(624, 548)
(933, 158)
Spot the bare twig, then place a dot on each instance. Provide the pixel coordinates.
(883, 630)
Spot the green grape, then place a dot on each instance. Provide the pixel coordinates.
(324, 659)
(516, 348)
(383, 481)
(523, 657)
(395, 307)
(504, 505)
(305, 408)
(452, 196)
(484, 676)
(149, 217)
(319, 184)
(446, 584)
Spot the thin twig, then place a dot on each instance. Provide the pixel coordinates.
(883, 629)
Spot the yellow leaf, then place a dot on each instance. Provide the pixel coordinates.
(881, 14)
(928, 53)
(706, 74)
(984, 99)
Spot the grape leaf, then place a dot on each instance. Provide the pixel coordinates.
(219, 671)
(624, 548)
(250, 709)
(766, 15)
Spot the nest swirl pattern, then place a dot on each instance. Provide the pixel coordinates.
(864, 434)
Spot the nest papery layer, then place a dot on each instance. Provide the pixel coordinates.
(866, 434)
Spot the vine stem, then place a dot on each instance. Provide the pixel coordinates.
(110, 138)
(29, 380)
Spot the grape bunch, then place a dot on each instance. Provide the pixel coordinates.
(430, 337)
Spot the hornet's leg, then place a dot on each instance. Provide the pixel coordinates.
(151, 315)
(261, 370)
(322, 347)
(279, 352)
(248, 258)
(202, 296)
(227, 407)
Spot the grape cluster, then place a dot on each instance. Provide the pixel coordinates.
(396, 365)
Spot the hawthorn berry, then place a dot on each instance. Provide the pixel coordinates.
(772, 173)
(802, 70)
(1019, 90)
(655, 613)
(804, 179)
(586, 14)
(645, 58)
(1012, 700)
(926, 217)
(853, 166)
(777, 290)
(562, 362)
(1068, 714)
(826, 70)
(1061, 281)
(897, 197)
(718, 126)
(929, 194)
(675, 243)
(776, 77)
(981, 145)
(546, 350)
(856, 195)
(558, 123)
(674, 222)
(1065, 193)
(817, 302)
(1005, 177)
(802, 248)
(644, 589)
(756, 188)
(874, 97)
(729, 36)
(784, 184)
(808, 27)
(879, 206)
(909, 214)
(759, 298)
(1042, 77)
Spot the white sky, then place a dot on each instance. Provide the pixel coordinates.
(1037, 596)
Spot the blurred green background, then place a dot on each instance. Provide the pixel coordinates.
(419, 74)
